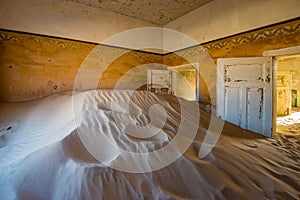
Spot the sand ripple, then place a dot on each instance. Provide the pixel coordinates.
(42, 155)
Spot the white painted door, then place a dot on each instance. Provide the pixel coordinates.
(181, 81)
(244, 93)
(158, 80)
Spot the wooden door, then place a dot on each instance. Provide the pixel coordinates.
(244, 93)
(159, 80)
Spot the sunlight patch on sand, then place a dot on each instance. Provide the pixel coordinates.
(289, 124)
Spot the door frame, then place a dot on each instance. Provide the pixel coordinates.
(276, 53)
(197, 67)
(265, 78)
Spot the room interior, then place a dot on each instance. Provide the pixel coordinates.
(287, 93)
(42, 51)
(53, 47)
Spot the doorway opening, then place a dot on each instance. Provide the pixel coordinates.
(288, 94)
(185, 81)
(256, 93)
(181, 81)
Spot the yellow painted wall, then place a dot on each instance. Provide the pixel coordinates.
(291, 63)
(250, 44)
(33, 66)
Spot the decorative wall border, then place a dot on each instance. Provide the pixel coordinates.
(256, 35)
(45, 41)
(260, 35)
(275, 31)
(61, 43)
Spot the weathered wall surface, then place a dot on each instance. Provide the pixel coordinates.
(248, 44)
(254, 43)
(222, 18)
(34, 66)
(291, 63)
(73, 20)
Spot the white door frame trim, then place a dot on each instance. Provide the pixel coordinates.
(274, 53)
(264, 81)
(197, 67)
(282, 52)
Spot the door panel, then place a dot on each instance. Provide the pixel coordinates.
(235, 73)
(158, 80)
(244, 93)
(232, 102)
(254, 106)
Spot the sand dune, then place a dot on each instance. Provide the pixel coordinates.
(72, 146)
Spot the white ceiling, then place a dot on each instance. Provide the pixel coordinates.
(158, 12)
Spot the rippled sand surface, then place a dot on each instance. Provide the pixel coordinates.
(45, 151)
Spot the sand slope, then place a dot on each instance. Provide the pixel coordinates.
(42, 155)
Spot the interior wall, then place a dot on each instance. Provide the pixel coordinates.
(33, 66)
(222, 18)
(66, 19)
(69, 19)
(291, 63)
(250, 44)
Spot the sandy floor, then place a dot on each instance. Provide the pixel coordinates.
(289, 124)
(43, 155)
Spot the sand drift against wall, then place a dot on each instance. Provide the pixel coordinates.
(43, 155)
